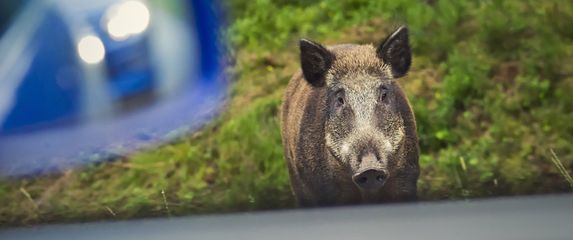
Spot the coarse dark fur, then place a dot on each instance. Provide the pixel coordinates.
(343, 113)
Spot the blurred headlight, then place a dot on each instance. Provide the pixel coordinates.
(126, 19)
(91, 49)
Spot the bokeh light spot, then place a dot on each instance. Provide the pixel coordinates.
(91, 49)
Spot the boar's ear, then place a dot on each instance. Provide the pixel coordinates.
(315, 60)
(395, 51)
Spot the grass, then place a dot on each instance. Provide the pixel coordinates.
(561, 168)
(490, 86)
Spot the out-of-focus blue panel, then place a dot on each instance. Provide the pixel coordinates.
(49, 90)
(207, 26)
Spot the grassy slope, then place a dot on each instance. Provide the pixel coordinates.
(490, 86)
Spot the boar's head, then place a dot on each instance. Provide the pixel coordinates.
(364, 128)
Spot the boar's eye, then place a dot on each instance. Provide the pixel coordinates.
(383, 93)
(339, 99)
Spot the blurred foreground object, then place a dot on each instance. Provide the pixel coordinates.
(534, 218)
(84, 81)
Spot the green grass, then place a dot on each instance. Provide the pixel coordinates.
(490, 86)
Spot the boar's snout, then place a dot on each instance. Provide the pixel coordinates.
(370, 179)
(371, 174)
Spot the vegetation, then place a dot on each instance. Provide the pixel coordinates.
(490, 86)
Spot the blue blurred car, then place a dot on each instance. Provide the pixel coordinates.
(102, 77)
(57, 70)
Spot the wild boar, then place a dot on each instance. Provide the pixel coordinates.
(348, 130)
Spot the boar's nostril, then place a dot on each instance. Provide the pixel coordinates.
(370, 179)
